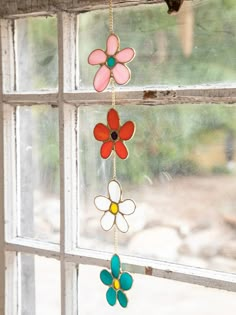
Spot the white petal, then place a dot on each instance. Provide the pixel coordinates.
(114, 191)
(102, 203)
(121, 223)
(107, 221)
(127, 207)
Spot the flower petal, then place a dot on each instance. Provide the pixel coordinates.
(106, 149)
(113, 43)
(107, 221)
(115, 266)
(102, 203)
(122, 299)
(102, 78)
(113, 119)
(121, 150)
(101, 132)
(127, 130)
(121, 73)
(114, 191)
(106, 277)
(111, 296)
(121, 223)
(125, 55)
(126, 281)
(97, 57)
(127, 207)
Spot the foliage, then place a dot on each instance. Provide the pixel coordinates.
(167, 137)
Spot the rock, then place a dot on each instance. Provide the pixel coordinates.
(204, 244)
(228, 249)
(192, 261)
(158, 243)
(222, 264)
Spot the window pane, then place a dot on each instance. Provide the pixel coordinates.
(40, 285)
(150, 295)
(181, 172)
(196, 47)
(38, 145)
(36, 53)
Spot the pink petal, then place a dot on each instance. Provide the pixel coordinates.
(97, 57)
(121, 73)
(125, 55)
(112, 44)
(102, 79)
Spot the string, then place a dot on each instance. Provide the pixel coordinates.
(113, 104)
(111, 16)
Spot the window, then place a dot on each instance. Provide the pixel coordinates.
(181, 172)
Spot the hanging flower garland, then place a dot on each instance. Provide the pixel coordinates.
(113, 136)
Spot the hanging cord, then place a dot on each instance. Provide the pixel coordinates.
(111, 16)
(113, 104)
(113, 93)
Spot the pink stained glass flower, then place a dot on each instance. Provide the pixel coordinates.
(112, 63)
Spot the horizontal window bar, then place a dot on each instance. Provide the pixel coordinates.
(172, 271)
(30, 99)
(18, 9)
(34, 247)
(198, 95)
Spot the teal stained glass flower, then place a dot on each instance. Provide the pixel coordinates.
(117, 281)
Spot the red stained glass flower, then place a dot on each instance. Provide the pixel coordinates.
(113, 135)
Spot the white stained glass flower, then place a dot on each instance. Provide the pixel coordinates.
(115, 209)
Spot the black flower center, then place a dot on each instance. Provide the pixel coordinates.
(114, 135)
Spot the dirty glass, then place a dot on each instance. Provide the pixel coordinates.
(197, 46)
(181, 173)
(36, 53)
(38, 172)
(39, 297)
(150, 295)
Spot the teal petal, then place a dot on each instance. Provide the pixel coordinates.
(115, 266)
(106, 277)
(111, 296)
(126, 281)
(122, 299)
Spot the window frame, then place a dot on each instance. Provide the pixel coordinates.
(68, 101)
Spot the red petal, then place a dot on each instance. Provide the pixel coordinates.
(121, 150)
(101, 132)
(106, 149)
(127, 130)
(113, 119)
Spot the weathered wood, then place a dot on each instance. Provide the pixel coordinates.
(152, 97)
(18, 7)
(161, 269)
(2, 254)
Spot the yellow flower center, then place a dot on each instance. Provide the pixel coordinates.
(114, 208)
(116, 284)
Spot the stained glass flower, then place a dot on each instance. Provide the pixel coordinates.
(117, 281)
(113, 135)
(112, 63)
(114, 208)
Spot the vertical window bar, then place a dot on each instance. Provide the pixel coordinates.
(2, 241)
(67, 136)
(8, 55)
(62, 157)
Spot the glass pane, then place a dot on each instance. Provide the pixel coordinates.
(36, 53)
(195, 47)
(38, 145)
(181, 172)
(150, 295)
(39, 297)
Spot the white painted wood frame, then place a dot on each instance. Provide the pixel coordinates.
(68, 100)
